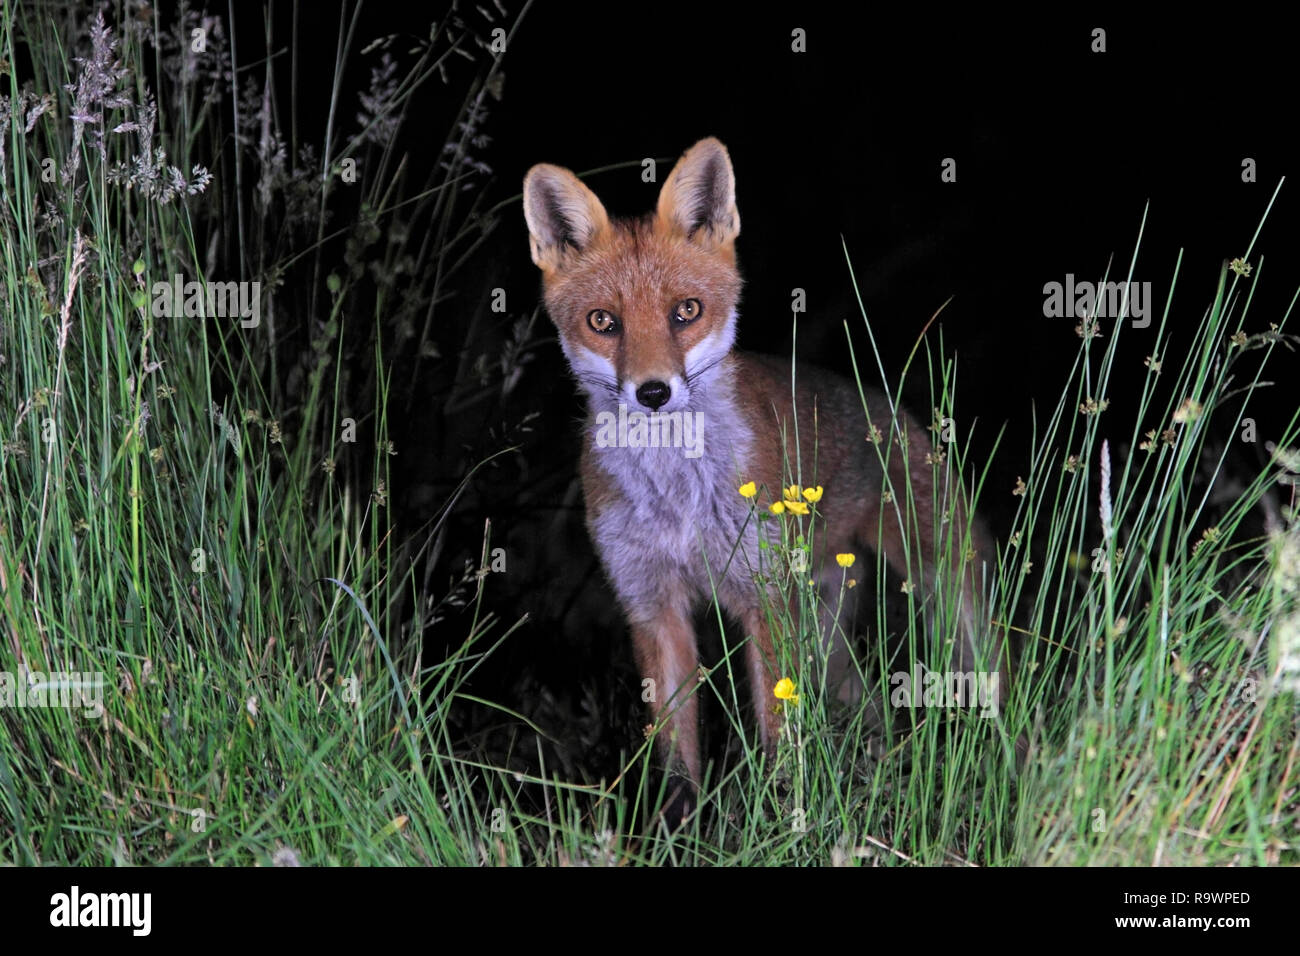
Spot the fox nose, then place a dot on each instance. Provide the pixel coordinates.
(653, 394)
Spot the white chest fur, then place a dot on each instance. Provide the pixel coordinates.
(669, 522)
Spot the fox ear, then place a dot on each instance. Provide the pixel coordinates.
(561, 213)
(700, 194)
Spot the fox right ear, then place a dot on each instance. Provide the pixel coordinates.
(699, 196)
(561, 213)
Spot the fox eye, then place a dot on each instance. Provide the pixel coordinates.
(601, 321)
(688, 310)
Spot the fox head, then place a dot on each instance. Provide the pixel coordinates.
(645, 308)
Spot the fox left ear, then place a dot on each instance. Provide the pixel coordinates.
(562, 214)
(699, 196)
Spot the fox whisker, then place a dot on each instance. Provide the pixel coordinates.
(693, 377)
(599, 381)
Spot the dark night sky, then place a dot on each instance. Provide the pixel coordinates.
(1058, 151)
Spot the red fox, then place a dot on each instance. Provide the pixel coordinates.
(646, 313)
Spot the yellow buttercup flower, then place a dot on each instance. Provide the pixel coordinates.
(813, 494)
(791, 493)
(784, 690)
(748, 489)
(776, 508)
(845, 560)
(796, 507)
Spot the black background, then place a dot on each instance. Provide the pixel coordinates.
(1059, 150)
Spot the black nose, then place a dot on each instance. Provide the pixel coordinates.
(653, 394)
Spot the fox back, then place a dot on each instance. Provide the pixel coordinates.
(679, 421)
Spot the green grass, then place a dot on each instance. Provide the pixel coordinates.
(178, 519)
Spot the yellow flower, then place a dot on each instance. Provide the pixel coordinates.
(776, 508)
(784, 690)
(797, 507)
(845, 560)
(791, 493)
(748, 489)
(813, 494)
